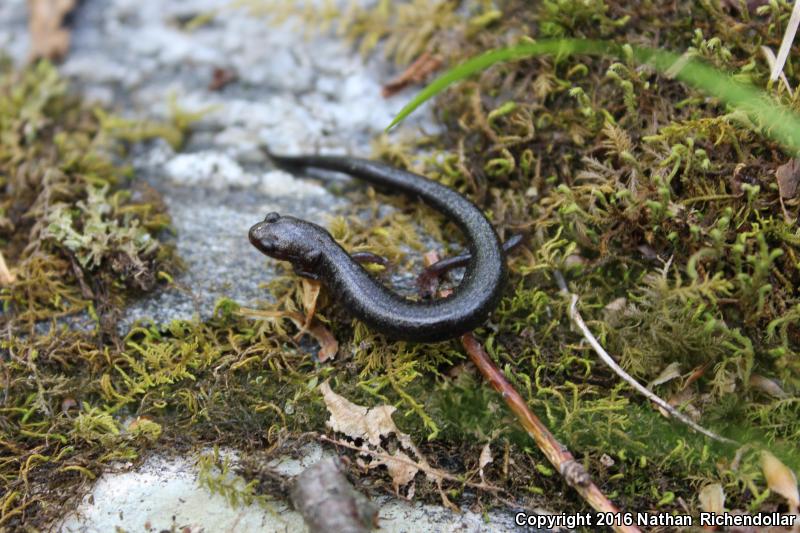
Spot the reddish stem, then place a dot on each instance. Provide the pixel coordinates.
(558, 455)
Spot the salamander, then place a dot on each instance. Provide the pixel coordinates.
(315, 254)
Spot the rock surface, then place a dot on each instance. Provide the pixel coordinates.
(163, 495)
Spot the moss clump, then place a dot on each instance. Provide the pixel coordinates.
(72, 404)
(73, 232)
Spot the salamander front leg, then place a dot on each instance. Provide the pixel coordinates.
(306, 274)
(369, 257)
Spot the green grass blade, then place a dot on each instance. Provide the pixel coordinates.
(778, 122)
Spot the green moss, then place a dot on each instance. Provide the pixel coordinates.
(663, 208)
(660, 206)
(70, 230)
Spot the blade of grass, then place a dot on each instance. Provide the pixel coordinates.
(788, 39)
(778, 122)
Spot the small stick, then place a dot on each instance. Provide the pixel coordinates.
(328, 502)
(558, 455)
(575, 316)
(415, 73)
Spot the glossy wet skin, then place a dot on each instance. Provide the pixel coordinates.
(314, 253)
(289, 239)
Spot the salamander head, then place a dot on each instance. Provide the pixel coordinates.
(289, 239)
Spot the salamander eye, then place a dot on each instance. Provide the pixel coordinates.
(272, 217)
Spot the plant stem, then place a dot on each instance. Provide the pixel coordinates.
(558, 455)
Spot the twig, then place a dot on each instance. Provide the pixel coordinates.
(572, 471)
(415, 73)
(328, 502)
(575, 316)
(788, 39)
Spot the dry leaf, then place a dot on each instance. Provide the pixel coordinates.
(6, 276)
(430, 257)
(672, 371)
(328, 345)
(310, 296)
(712, 498)
(575, 260)
(485, 458)
(220, 77)
(767, 386)
(788, 176)
(371, 425)
(49, 40)
(401, 468)
(356, 421)
(684, 399)
(616, 305)
(780, 479)
(696, 374)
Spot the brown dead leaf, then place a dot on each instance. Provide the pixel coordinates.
(780, 479)
(401, 468)
(672, 371)
(575, 260)
(788, 177)
(767, 386)
(684, 399)
(712, 498)
(430, 257)
(49, 39)
(220, 77)
(328, 345)
(371, 425)
(616, 305)
(696, 374)
(310, 295)
(6, 276)
(357, 421)
(485, 459)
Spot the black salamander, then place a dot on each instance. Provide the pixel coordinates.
(315, 254)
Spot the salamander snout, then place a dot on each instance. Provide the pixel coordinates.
(262, 236)
(288, 239)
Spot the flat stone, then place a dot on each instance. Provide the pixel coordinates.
(164, 494)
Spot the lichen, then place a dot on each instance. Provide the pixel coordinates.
(71, 231)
